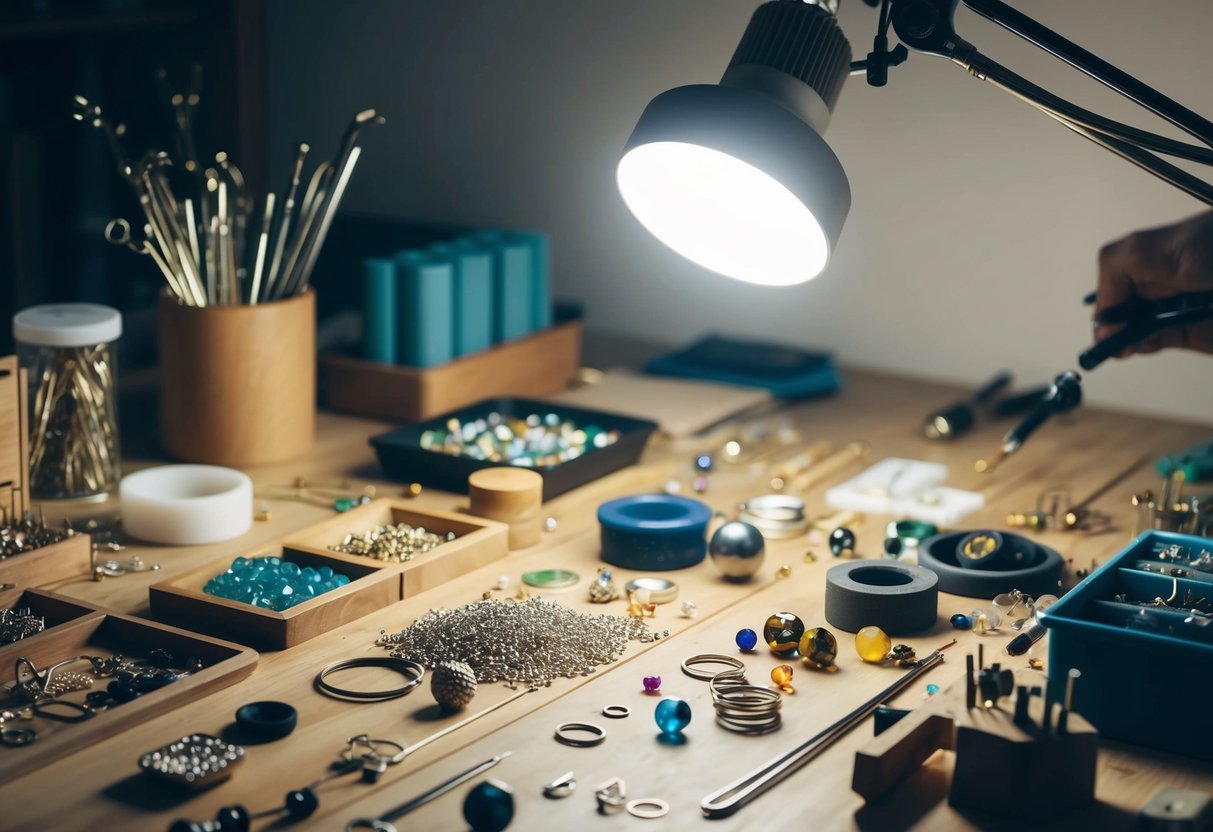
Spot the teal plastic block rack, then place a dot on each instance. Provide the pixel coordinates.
(1143, 666)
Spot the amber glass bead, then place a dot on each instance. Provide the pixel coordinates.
(782, 676)
(873, 644)
(819, 648)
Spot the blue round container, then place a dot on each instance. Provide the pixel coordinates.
(654, 532)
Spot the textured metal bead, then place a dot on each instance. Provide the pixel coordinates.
(453, 685)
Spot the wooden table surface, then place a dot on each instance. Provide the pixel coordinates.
(99, 787)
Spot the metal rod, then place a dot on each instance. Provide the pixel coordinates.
(326, 220)
(434, 793)
(1055, 44)
(726, 801)
(284, 222)
(262, 242)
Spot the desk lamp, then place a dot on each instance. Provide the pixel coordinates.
(737, 178)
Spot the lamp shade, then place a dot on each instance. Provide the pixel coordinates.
(734, 181)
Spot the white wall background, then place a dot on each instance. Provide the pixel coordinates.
(975, 221)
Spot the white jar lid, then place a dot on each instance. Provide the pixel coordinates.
(183, 505)
(67, 325)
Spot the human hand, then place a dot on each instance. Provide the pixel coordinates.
(1155, 264)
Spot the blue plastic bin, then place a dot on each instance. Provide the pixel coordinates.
(1138, 684)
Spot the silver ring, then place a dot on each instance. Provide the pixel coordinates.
(657, 808)
(709, 659)
(616, 711)
(566, 729)
(661, 590)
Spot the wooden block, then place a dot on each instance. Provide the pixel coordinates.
(69, 558)
(107, 633)
(181, 600)
(538, 364)
(1003, 768)
(511, 495)
(14, 438)
(477, 541)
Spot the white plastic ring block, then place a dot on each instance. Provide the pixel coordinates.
(186, 504)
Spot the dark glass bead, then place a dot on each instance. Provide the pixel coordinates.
(160, 658)
(120, 691)
(97, 698)
(489, 807)
(301, 803)
(893, 546)
(124, 676)
(144, 682)
(842, 542)
(234, 819)
(961, 621)
(165, 677)
(193, 663)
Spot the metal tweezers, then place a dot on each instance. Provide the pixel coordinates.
(1143, 319)
(726, 801)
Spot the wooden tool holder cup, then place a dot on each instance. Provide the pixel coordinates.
(238, 383)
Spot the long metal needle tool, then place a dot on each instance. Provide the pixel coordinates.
(284, 220)
(726, 801)
(384, 823)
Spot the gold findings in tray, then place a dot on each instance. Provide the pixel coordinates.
(397, 543)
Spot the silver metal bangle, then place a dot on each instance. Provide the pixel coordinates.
(413, 671)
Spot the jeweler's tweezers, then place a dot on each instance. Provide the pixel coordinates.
(726, 801)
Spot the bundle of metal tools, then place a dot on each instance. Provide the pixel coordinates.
(209, 246)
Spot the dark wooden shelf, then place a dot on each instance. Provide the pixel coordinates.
(99, 23)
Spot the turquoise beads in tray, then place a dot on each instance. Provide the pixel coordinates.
(273, 583)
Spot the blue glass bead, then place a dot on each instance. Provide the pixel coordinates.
(310, 575)
(288, 569)
(672, 715)
(932, 689)
(747, 639)
(961, 621)
(325, 572)
(239, 563)
(704, 462)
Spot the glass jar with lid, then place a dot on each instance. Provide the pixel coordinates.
(69, 353)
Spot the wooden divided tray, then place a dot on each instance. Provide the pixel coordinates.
(182, 601)
(71, 557)
(477, 541)
(76, 630)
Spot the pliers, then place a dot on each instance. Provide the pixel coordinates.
(1143, 319)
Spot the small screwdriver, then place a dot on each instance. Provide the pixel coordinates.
(1064, 395)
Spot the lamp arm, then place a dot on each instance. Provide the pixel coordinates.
(1055, 44)
(926, 26)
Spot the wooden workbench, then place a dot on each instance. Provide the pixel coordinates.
(99, 787)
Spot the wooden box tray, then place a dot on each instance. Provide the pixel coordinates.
(52, 608)
(477, 541)
(538, 364)
(182, 601)
(71, 557)
(105, 633)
